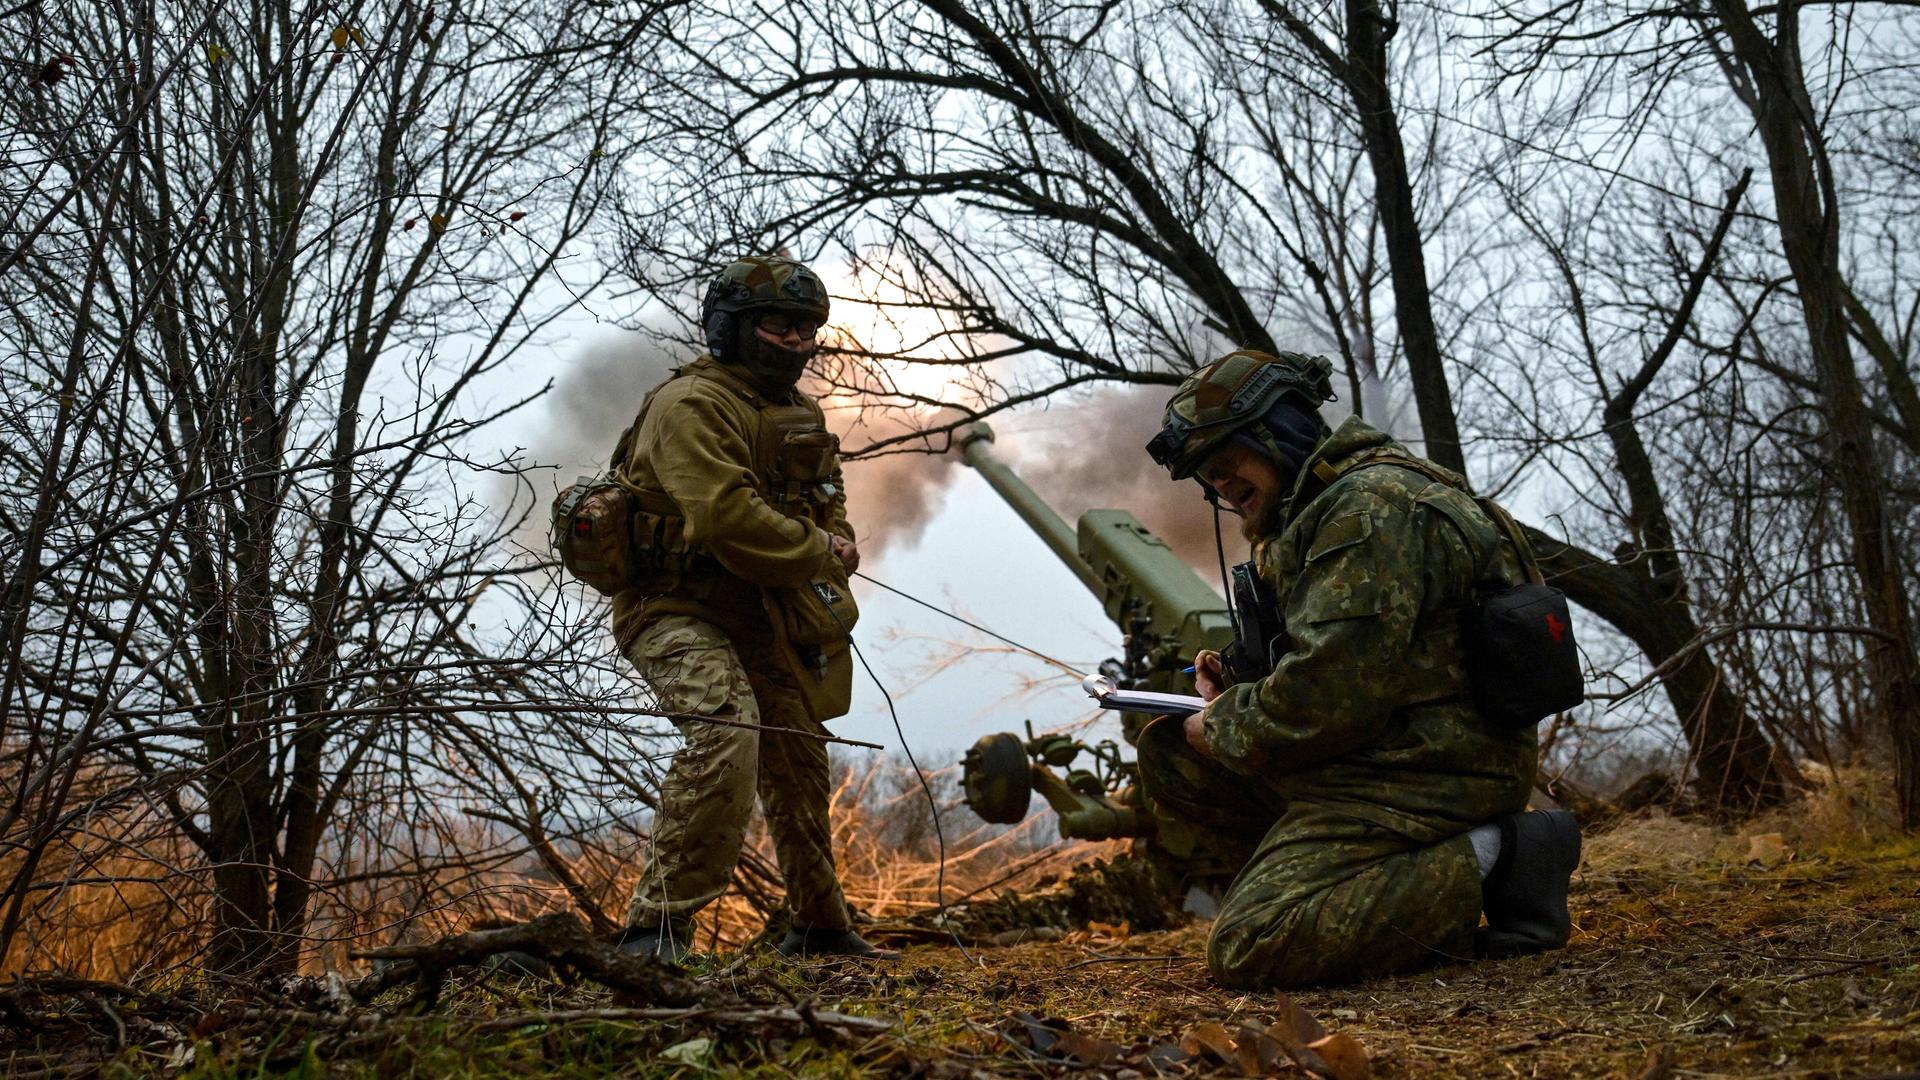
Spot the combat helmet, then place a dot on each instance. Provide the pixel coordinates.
(748, 287)
(1230, 397)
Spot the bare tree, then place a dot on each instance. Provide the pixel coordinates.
(264, 260)
(1758, 55)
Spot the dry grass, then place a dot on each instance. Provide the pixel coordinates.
(1807, 967)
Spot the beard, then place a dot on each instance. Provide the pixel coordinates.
(1268, 520)
(1269, 517)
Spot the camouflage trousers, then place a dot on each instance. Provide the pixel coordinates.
(1323, 896)
(706, 799)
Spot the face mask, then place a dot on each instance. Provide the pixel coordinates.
(774, 369)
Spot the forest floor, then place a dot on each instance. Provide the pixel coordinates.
(1696, 953)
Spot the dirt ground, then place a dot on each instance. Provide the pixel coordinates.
(1805, 969)
(1809, 968)
(1696, 953)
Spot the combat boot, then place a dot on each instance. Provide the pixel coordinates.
(670, 941)
(803, 942)
(1525, 896)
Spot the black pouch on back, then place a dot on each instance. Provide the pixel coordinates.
(1522, 663)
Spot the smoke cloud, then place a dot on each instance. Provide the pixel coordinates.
(1091, 454)
(595, 400)
(891, 496)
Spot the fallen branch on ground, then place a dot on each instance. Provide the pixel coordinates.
(559, 939)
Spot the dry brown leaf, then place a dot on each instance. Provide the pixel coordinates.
(1295, 1026)
(1768, 849)
(1209, 1037)
(1258, 1053)
(1344, 1056)
(1086, 1049)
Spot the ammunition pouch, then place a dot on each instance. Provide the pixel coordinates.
(660, 550)
(824, 674)
(798, 457)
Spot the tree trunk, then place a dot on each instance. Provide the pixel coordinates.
(1734, 761)
(1768, 76)
(1366, 74)
(1735, 765)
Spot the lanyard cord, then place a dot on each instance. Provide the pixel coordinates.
(1220, 549)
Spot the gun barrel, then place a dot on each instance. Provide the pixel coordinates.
(976, 443)
(1131, 571)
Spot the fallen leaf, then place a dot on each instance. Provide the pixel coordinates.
(1345, 1057)
(1209, 1037)
(1768, 849)
(1167, 1056)
(1086, 1049)
(1257, 1052)
(1295, 1025)
(1035, 1033)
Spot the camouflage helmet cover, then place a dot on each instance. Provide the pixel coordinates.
(765, 282)
(1230, 394)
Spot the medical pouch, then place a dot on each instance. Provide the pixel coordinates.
(592, 532)
(1522, 663)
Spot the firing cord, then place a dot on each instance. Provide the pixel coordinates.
(939, 831)
(1055, 661)
(933, 804)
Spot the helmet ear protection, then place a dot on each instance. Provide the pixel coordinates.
(747, 287)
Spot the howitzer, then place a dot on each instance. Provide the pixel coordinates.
(1166, 614)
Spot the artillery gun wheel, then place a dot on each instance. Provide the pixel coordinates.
(997, 780)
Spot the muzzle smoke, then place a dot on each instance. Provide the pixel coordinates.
(890, 497)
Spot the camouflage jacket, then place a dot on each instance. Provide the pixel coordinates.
(717, 452)
(1367, 708)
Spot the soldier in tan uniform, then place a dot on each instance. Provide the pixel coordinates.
(739, 617)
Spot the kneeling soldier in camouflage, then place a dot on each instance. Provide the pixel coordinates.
(1378, 802)
(741, 611)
